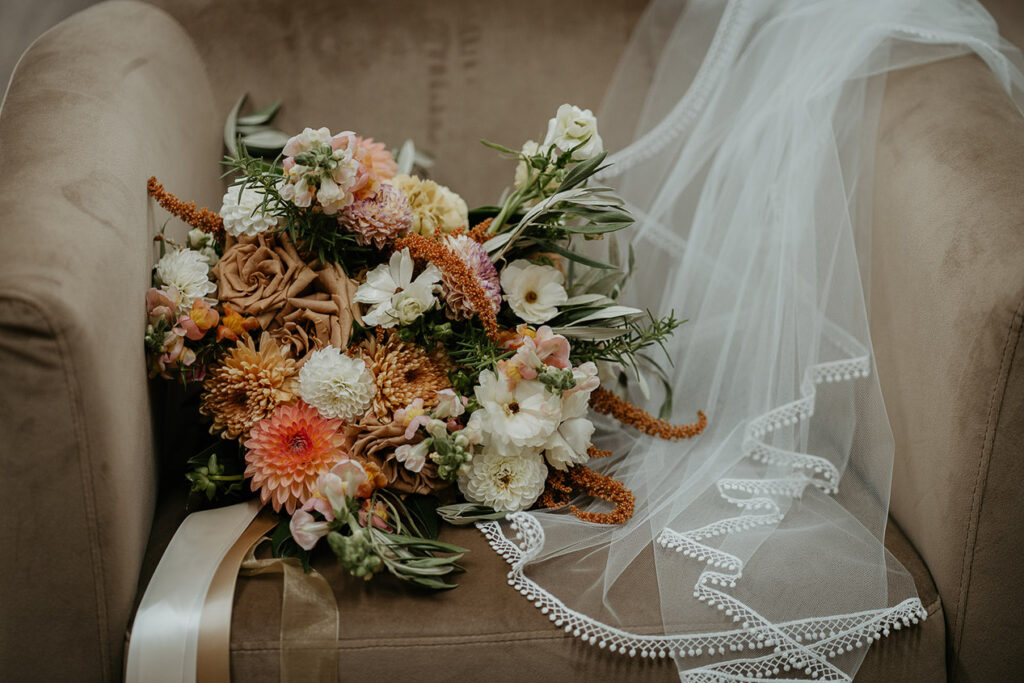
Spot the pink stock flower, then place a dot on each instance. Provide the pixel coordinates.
(551, 348)
(413, 417)
(161, 305)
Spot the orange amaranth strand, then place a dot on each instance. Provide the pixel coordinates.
(595, 452)
(560, 486)
(607, 403)
(204, 219)
(426, 249)
(479, 231)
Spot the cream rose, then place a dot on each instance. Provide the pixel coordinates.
(570, 127)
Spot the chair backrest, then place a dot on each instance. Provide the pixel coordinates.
(96, 105)
(947, 300)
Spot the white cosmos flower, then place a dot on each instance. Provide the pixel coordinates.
(336, 385)
(506, 481)
(534, 292)
(570, 127)
(522, 417)
(385, 291)
(188, 271)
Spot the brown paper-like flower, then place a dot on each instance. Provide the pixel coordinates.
(247, 385)
(375, 441)
(306, 305)
(404, 372)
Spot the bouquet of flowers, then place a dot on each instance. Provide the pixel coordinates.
(372, 354)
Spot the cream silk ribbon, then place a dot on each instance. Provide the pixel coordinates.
(183, 626)
(164, 642)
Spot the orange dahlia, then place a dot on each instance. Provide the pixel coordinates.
(288, 451)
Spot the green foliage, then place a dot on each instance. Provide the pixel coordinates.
(217, 470)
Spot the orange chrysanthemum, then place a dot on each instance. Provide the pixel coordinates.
(288, 451)
(404, 372)
(248, 385)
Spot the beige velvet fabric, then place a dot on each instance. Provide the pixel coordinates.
(96, 105)
(485, 628)
(947, 296)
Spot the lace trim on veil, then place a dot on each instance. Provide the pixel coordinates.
(803, 645)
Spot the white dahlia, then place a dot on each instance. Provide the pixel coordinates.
(505, 481)
(336, 385)
(242, 213)
(533, 291)
(189, 272)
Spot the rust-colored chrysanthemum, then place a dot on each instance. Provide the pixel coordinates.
(247, 385)
(288, 451)
(404, 372)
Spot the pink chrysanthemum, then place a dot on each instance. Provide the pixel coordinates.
(475, 257)
(380, 219)
(288, 451)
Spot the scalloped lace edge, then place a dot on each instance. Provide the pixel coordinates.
(803, 645)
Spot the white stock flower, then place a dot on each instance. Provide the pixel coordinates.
(530, 148)
(188, 272)
(570, 127)
(534, 292)
(505, 481)
(448, 404)
(242, 214)
(524, 416)
(569, 443)
(385, 291)
(413, 457)
(336, 385)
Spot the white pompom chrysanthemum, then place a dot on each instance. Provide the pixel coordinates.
(188, 272)
(507, 482)
(336, 385)
(242, 213)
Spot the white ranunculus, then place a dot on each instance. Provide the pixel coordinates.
(569, 443)
(242, 212)
(534, 292)
(505, 480)
(336, 385)
(385, 286)
(523, 416)
(187, 271)
(413, 301)
(570, 127)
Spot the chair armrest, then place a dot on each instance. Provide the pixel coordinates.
(95, 106)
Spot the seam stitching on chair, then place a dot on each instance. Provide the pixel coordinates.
(85, 467)
(995, 404)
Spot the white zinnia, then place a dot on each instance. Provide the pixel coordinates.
(393, 295)
(534, 292)
(570, 127)
(188, 272)
(505, 481)
(336, 385)
(242, 213)
(525, 416)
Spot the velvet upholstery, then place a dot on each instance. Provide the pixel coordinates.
(947, 297)
(124, 91)
(91, 111)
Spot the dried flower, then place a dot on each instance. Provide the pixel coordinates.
(289, 451)
(247, 386)
(203, 218)
(607, 403)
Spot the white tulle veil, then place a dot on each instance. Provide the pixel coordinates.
(745, 132)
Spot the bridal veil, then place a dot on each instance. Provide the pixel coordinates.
(745, 132)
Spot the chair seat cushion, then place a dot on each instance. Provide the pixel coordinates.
(486, 629)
